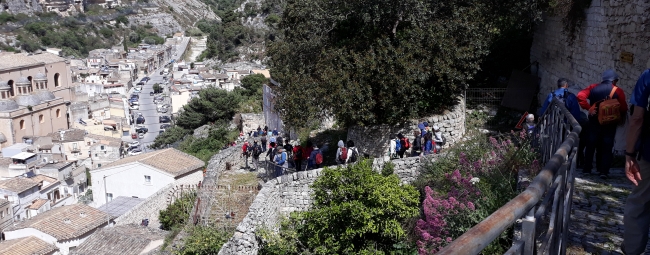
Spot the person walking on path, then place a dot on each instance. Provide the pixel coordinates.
(438, 139)
(404, 145)
(257, 150)
(601, 136)
(245, 153)
(636, 219)
(315, 158)
(562, 93)
(392, 146)
(353, 153)
(280, 161)
(263, 140)
(428, 144)
(341, 153)
(271, 152)
(298, 156)
(306, 154)
(416, 148)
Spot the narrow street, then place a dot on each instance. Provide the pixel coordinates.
(146, 102)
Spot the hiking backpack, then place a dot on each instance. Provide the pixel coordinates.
(407, 143)
(255, 134)
(398, 145)
(298, 154)
(257, 151)
(355, 155)
(344, 154)
(609, 109)
(318, 159)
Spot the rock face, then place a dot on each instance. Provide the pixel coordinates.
(163, 22)
(23, 6)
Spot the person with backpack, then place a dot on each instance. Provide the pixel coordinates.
(271, 152)
(280, 161)
(607, 109)
(636, 218)
(341, 153)
(353, 153)
(416, 149)
(562, 93)
(275, 132)
(404, 144)
(298, 156)
(263, 140)
(306, 153)
(288, 148)
(315, 158)
(438, 139)
(428, 144)
(257, 150)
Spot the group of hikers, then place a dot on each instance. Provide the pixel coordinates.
(605, 108)
(427, 140)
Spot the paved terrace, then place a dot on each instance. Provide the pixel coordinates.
(597, 213)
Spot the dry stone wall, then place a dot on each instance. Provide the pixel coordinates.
(374, 140)
(250, 121)
(290, 193)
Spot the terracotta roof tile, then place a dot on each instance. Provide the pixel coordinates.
(26, 246)
(3, 202)
(18, 184)
(170, 160)
(66, 222)
(70, 135)
(124, 239)
(46, 58)
(14, 60)
(37, 204)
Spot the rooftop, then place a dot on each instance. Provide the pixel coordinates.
(120, 205)
(65, 222)
(36, 204)
(46, 181)
(47, 58)
(16, 60)
(18, 184)
(23, 155)
(70, 135)
(124, 239)
(170, 160)
(3, 202)
(26, 246)
(107, 140)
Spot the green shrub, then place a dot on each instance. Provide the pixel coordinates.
(176, 214)
(355, 211)
(203, 241)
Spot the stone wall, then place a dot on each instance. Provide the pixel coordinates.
(374, 140)
(611, 28)
(250, 121)
(290, 193)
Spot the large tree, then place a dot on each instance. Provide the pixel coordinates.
(383, 61)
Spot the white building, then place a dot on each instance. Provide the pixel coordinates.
(21, 192)
(66, 227)
(143, 175)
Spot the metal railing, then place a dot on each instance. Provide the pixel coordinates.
(544, 207)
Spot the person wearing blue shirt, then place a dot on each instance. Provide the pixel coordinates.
(636, 219)
(570, 100)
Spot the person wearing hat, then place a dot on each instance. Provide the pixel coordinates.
(601, 137)
(636, 219)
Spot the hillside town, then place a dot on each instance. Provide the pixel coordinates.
(71, 128)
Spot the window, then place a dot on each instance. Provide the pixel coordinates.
(147, 179)
(102, 147)
(98, 165)
(22, 124)
(2, 215)
(56, 80)
(41, 118)
(11, 85)
(58, 113)
(74, 146)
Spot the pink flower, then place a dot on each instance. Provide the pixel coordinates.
(470, 205)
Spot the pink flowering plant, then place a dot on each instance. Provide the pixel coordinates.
(466, 185)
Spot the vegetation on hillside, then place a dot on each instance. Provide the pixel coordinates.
(177, 213)
(252, 95)
(355, 211)
(385, 61)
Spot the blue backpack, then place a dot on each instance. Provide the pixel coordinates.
(398, 145)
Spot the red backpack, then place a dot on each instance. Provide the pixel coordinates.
(407, 144)
(344, 154)
(319, 158)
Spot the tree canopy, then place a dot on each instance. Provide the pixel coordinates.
(383, 61)
(212, 105)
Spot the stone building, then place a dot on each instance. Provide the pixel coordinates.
(125, 239)
(34, 91)
(6, 215)
(103, 149)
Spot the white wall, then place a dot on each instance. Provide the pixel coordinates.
(64, 246)
(127, 180)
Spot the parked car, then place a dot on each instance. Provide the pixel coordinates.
(134, 107)
(151, 93)
(134, 96)
(164, 126)
(109, 128)
(162, 110)
(161, 131)
(164, 119)
(141, 130)
(134, 136)
(139, 120)
(141, 135)
(140, 83)
(136, 90)
(135, 152)
(134, 143)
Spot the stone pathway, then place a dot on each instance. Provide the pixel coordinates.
(597, 216)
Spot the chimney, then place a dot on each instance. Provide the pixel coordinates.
(67, 221)
(82, 214)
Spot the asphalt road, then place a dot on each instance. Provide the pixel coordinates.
(148, 108)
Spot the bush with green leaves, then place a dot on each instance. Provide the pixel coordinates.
(177, 213)
(204, 148)
(203, 241)
(212, 105)
(355, 210)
